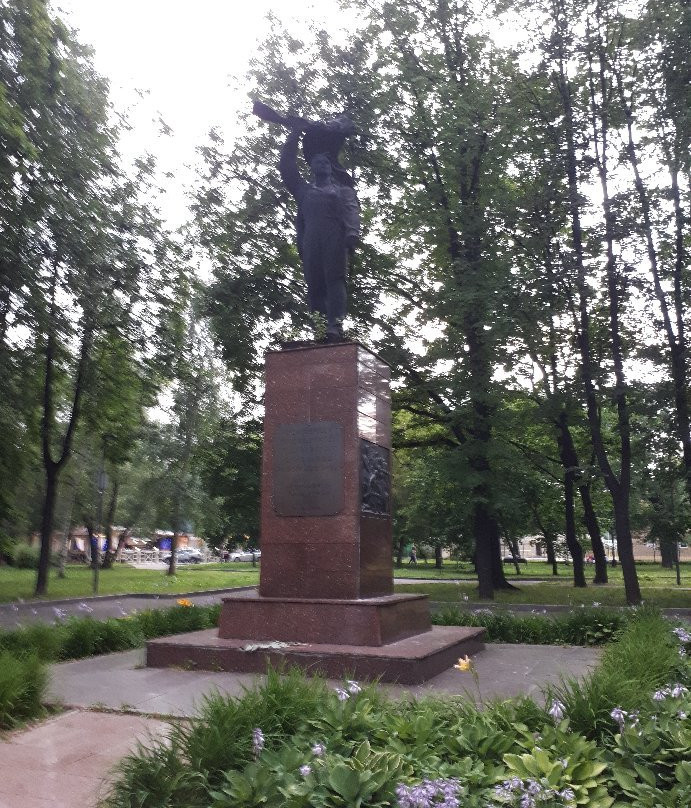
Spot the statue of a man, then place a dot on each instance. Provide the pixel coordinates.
(328, 220)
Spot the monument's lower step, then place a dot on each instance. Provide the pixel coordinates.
(248, 616)
(409, 661)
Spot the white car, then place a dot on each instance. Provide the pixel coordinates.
(185, 556)
(245, 555)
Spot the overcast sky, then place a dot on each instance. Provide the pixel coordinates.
(182, 55)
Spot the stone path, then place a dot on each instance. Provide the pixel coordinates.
(64, 762)
(120, 681)
(13, 615)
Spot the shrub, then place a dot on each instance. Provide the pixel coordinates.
(84, 636)
(578, 627)
(22, 684)
(80, 637)
(24, 557)
(630, 670)
(6, 548)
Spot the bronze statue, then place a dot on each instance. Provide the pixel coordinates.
(328, 220)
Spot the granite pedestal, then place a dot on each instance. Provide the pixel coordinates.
(326, 575)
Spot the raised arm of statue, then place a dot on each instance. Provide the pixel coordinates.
(288, 165)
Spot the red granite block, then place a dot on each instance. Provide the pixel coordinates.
(310, 570)
(372, 621)
(376, 562)
(408, 661)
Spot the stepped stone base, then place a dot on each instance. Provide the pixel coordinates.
(411, 660)
(247, 615)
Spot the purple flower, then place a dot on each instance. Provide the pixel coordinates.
(319, 750)
(682, 634)
(305, 770)
(677, 691)
(343, 695)
(619, 716)
(568, 795)
(353, 687)
(659, 695)
(257, 741)
(429, 794)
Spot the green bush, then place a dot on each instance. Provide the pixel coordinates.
(84, 636)
(45, 641)
(319, 748)
(80, 637)
(22, 685)
(577, 627)
(644, 659)
(6, 548)
(24, 557)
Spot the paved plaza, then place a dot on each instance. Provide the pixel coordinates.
(72, 753)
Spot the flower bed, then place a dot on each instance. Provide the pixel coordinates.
(296, 743)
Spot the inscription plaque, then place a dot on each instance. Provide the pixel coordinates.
(308, 469)
(375, 479)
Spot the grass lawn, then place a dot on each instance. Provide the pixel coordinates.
(16, 583)
(664, 596)
(647, 572)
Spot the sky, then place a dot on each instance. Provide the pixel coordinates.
(178, 58)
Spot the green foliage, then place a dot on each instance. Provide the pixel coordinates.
(576, 627)
(80, 637)
(653, 756)
(630, 670)
(22, 684)
(326, 750)
(22, 556)
(560, 760)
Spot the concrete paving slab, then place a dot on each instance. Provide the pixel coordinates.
(66, 761)
(118, 680)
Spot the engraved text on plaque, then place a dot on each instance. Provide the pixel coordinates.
(308, 469)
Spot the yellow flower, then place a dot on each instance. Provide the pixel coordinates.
(464, 664)
(185, 602)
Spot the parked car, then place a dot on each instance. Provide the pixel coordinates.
(186, 555)
(519, 559)
(245, 555)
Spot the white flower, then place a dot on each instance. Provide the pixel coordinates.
(318, 750)
(353, 687)
(343, 695)
(556, 710)
(257, 741)
(305, 770)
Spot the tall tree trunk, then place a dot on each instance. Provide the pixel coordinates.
(572, 543)
(675, 334)
(569, 461)
(593, 528)
(625, 548)
(513, 547)
(47, 517)
(438, 560)
(551, 555)
(172, 564)
(399, 550)
(667, 554)
(618, 488)
(483, 550)
(110, 517)
(52, 468)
